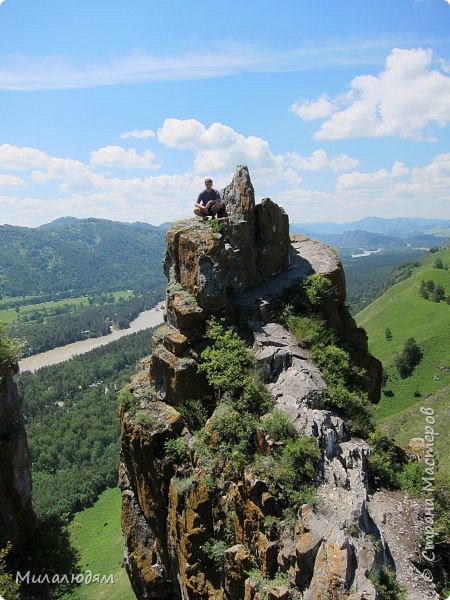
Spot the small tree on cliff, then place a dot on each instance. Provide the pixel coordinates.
(9, 351)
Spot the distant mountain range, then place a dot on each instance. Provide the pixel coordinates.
(375, 232)
(71, 255)
(79, 256)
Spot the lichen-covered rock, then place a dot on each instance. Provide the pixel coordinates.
(238, 562)
(333, 571)
(144, 478)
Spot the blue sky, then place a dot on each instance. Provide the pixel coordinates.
(119, 110)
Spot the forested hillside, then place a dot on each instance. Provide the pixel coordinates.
(79, 256)
(72, 423)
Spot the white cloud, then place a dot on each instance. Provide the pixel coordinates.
(376, 180)
(400, 191)
(22, 158)
(399, 169)
(116, 156)
(11, 181)
(218, 147)
(320, 160)
(181, 134)
(25, 72)
(61, 186)
(362, 181)
(137, 133)
(316, 109)
(402, 100)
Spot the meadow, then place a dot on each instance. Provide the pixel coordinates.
(96, 532)
(406, 314)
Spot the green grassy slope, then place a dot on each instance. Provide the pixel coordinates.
(96, 532)
(407, 314)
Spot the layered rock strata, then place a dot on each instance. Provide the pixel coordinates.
(238, 267)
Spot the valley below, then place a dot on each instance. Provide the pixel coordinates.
(146, 319)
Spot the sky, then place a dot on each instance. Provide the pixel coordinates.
(119, 110)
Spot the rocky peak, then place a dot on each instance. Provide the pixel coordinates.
(237, 267)
(217, 260)
(239, 195)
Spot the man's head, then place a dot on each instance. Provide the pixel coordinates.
(208, 183)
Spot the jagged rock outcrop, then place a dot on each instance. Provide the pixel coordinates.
(238, 267)
(17, 518)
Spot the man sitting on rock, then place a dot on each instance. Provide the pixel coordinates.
(208, 203)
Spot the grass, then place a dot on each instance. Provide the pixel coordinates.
(406, 314)
(410, 422)
(96, 532)
(9, 315)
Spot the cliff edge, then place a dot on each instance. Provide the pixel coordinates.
(17, 518)
(199, 519)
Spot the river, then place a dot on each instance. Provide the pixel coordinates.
(148, 318)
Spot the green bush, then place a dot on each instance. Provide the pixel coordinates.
(227, 361)
(300, 457)
(279, 426)
(410, 478)
(265, 584)
(176, 450)
(8, 586)
(353, 405)
(387, 586)
(309, 331)
(127, 400)
(318, 289)
(232, 434)
(215, 551)
(182, 484)
(149, 418)
(333, 362)
(253, 397)
(293, 468)
(196, 412)
(386, 461)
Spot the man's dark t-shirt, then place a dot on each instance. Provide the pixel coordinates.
(206, 196)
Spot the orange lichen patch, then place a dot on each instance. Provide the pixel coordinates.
(190, 518)
(330, 572)
(175, 342)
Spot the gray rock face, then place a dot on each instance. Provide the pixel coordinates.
(348, 537)
(239, 195)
